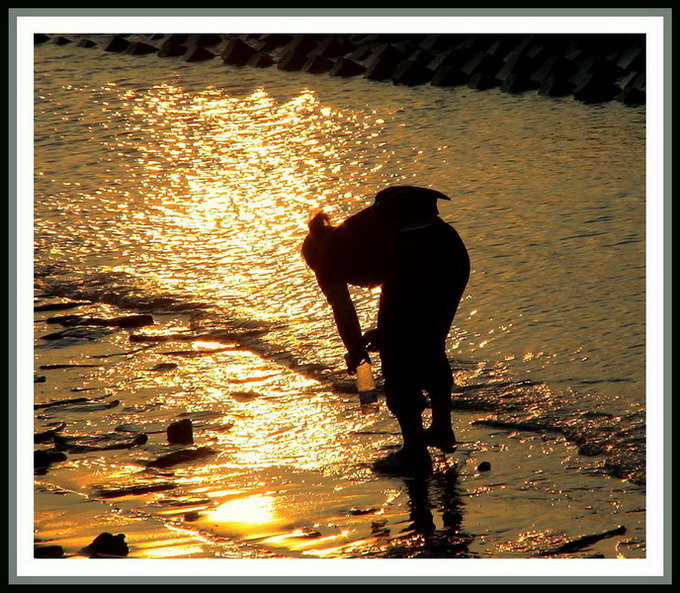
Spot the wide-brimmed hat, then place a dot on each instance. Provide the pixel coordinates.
(408, 203)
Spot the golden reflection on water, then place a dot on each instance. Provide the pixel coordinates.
(250, 514)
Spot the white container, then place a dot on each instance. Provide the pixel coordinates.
(368, 398)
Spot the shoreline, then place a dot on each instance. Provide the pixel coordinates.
(303, 477)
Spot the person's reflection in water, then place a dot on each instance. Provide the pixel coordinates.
(421, 537)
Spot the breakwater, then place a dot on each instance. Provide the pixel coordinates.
(591, 68)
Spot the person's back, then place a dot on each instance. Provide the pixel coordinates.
(422, 265)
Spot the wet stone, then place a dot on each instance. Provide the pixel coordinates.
(80, 405)
(198, 54)
(85, 43)
(126, 321)
(107, 544)
(164, 366)
(356, 511)
(181, 432)
(344, 67)
(184, 501)
(61, 402)
(47, 436)
(116, 43)
(61, 40)
(171, 50)
(43, 458)
(485, 466)
(48, 552)
(139, 48)
(134, 489)
(105, 442)
(78, 333)
(180, 457)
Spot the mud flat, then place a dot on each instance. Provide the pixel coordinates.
(277, 459)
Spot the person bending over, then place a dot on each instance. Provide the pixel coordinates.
(422, 266)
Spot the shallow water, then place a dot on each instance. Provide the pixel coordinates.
(167, 186)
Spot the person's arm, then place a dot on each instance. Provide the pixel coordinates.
(346, 320)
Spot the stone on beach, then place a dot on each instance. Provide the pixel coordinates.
(125, 321)
(198, 54)
(48, 552)
(179, 457)
(134, 489)
(78, 333)
(345, 68)
(84, 42)
(261, 60)
(43, 458)
(107, 544)
(60, 306)
(584, 541)
(47, 436)
(164, 366)
(116, 43)
(79, 404)
(171, 50)
(139, 48)
(103, 442)
(237, 52)
(181, 432)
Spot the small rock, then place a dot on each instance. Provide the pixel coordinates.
(179, 457)
(346, 68)
(39, 379)
(141, 487)
(60, 306)
(192, 516)
(164, 366)
(108, 545)
(198, 54)
(169, 50)
(181, 432)
(48, 435)
(103, 442)
(48, 552)
(85, 43)
(485, 466)
(139, 48)
(237, 52)
(356, 511)
(43, 458)
(116, 43)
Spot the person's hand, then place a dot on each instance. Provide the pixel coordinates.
(354, 359)
(370, 339)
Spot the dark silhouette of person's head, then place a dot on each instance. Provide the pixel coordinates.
(408, 205)
(320, 228)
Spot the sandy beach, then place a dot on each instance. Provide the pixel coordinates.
(279, 465)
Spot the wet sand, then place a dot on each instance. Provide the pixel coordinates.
(280, 461)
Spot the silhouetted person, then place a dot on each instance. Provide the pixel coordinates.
(400, 244)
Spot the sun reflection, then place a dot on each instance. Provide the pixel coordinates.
(245, 514)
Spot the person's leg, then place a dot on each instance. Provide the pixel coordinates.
(439, 384)
(406, 402)
(440, 433)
